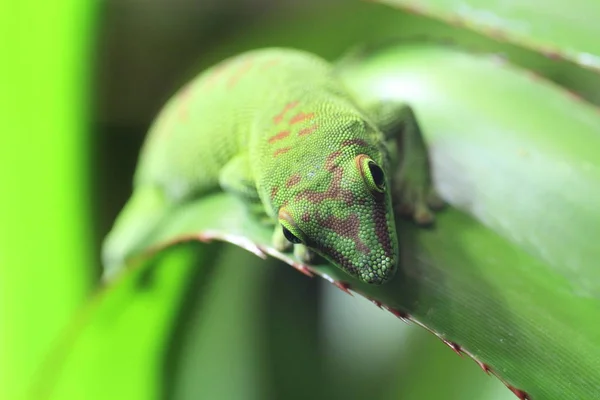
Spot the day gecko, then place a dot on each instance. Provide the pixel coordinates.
(278, 128)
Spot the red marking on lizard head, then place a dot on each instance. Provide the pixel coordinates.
(334, 191)
(347, 227)
(274, 191)
(355, 142)
(244, 67)
(293, 180)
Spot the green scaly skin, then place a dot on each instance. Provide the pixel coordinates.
(278, 128)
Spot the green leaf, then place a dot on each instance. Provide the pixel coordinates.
(255, 335)
(116, 348)
(242, 329)
(508, 274)
(552, 27)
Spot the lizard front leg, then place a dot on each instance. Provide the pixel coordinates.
(236, 178)
(413, 191)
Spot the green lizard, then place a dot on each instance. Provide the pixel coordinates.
(278, 128)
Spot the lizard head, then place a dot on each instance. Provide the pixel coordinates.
(344, 213)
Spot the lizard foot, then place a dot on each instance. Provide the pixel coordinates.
(280, 243)
(419, 201)
(302, 253)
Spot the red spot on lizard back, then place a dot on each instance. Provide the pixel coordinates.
(270, 63)
(279, 136)
(243, 69)
(308, 131)
(281, 151)
(301, 117)
(279, 117)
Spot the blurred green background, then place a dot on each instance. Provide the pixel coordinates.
(82, 82)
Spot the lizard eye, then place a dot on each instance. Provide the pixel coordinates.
(289, 228)
(377, 175)
(372, 173)
(290, 236)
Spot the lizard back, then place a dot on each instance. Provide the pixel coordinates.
(211, 119)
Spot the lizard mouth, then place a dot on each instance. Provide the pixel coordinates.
(379, 272)
(374, 268)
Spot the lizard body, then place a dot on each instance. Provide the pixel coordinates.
(277, 128)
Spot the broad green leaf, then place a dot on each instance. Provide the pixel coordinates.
(255, 335)
(508, 273)
(242, 328)
(373, 356)
(366, 22)
(553, 27)
(116, 348)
